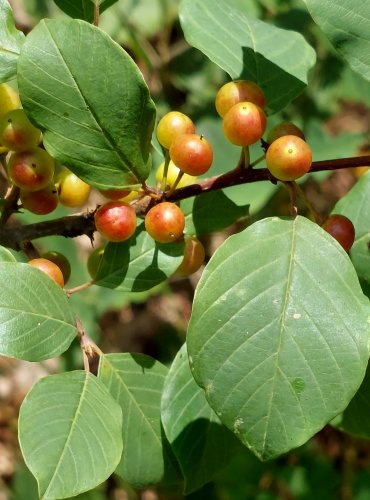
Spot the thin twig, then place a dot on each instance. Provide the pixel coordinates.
(79, 288)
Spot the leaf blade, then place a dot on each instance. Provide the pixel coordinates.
(11, 41)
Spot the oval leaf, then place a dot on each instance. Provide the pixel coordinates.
(70, 433)
(280, 346)
(202, 445)
(356, 206)
(6, 255)
(139, 263)
(36, 320)
(278, 60)
(90, 99)
(346, 24)
(11, 41)
(136, 382)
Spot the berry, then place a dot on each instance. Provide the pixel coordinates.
(9, 99)
(172, 174)
(17, 132)
(115, 194)
(238, 91)
(288, 158)
(165, 222)
(61, 261)
(116, 221)
(49, 268)
(340, 228)
(194, 255)
(31, 170)
(40, 202)
(284, 128)
(192, 154)
(94, 260)
(244, 124)
(73, 191)
(171, 125)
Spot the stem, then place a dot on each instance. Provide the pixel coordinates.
(258, 160)
(292, 187)
(246, 156)
(96, 15)
(79, 288)
(178, 179)
(29, 250)
(314, 213)
(167, 160)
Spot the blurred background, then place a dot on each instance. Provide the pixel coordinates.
(334, 114)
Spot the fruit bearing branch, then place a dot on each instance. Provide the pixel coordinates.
(12, 236)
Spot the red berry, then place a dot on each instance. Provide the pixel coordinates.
(31, 170)
(288, 158)
(49, 268)
(165, 222)
(61, 261)
(116, 221)
(171, 125)
(340, 228)
(238, 91)
(115, 194)
(40, 202)
(244, 124)
(192, 154)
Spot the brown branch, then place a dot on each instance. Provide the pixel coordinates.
(77, 225)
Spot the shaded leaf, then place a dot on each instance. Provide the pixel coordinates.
(200, 442)
(82, 9)
(139, 263)
(11, 41)
(211, 212)
(279, 333)
(70, 433)
(90, 99)
(6, 255)
(346, 24)
(276, 59)
(36, 320)
(136, 382)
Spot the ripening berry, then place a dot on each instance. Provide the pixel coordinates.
(116, 221)
(9, 99)
(61, 261)
(49, 268)
(238, 91)
(288, 158)
(340, 228)
(40, 202)
(194, 255)
(115, 194)
(284, 128)
(72, 191)
(171, 125)
(244, 124)
(172, 174)
(17, 133)
(94, 260)
(31, 170)
(165, 222)
(192, 154)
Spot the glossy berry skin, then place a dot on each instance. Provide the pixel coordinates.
(172, 173)
(31, 170)
(284, 128)
(340, 228)
(93, 262)
(171, 125)
(40, 202)
(192, 154)
(49, 268)
(61, 261)
(288, 158)
(244, 124)
(17, 133)
(194, 255)
(238, 91)
(116, 221)
(73, 191)
(165, 222)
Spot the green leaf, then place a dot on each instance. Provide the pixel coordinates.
(279, 333)
(276, 59)
(90, 99)
(346, 24)
(211, 212)
(36, 321)
(139, 263)
(70, 433)
(82, 9)
(136, 383)
(356, 206)
(202, 445)
(6, 255)
(355, 418)
(11, 41)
